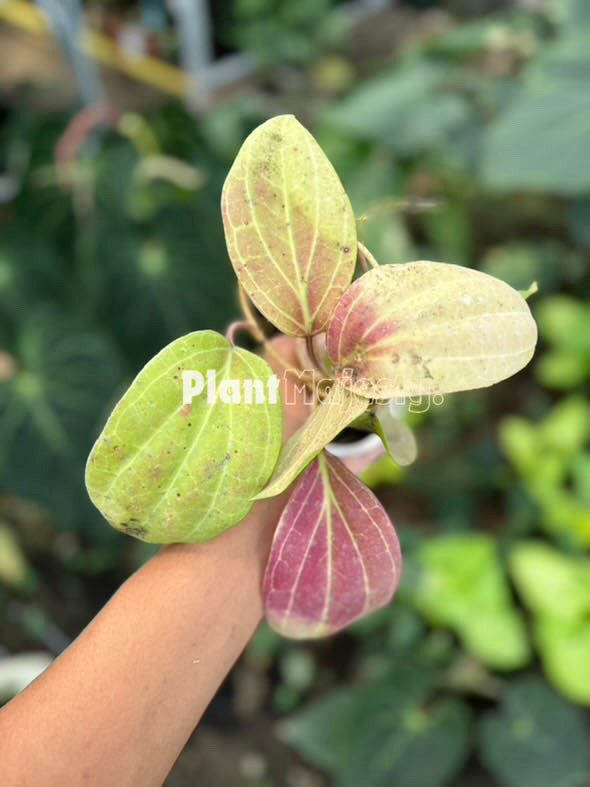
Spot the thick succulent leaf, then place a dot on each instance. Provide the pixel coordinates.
(337, 410)
(289, 227)
(166, 472)
(335, 555)
(426, 328)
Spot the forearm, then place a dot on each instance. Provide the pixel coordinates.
(118, 705)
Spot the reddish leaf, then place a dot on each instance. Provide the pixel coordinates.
(335, 555)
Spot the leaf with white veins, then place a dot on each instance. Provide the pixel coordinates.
(289, 227)
(427, 327)
(335, 555)
(168, 472)
(337, 410)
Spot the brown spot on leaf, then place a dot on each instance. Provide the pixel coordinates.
(133, 529)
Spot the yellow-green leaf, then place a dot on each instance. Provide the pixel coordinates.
(338, 409)
(427, 328)
(289, 227)
(167, 471)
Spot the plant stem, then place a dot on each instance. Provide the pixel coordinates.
(366, 254)
(234, 327)
(312, 353)
(246, 307)
(362, 260)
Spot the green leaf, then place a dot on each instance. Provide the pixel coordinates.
(385, 734)
(573, 15)
(567, 427)
(519, 264)
(407, 108)
(289, 227)
(557, 589)
(564, 646)
(535, 739)
(338, 409)
(580, 472)
(383, 471)
(150, 283)
(56, 380)
(565, 321)
(550, 582)
(167, 472)
(562, 369)
(461, 584)
(530, 146)
(428, 328)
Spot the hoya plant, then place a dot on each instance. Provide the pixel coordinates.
(197, 437)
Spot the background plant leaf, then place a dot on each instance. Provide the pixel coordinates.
(556, 588)
(384, 734)
(535, 739)
(459, 582)
(530, 147)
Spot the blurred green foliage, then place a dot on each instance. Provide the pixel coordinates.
(469, 146)
(275, 32)
(535, 738)
(552, 458)
(461, 584)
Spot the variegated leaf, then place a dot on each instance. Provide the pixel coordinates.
(330, 417)
(335, 555)
(426, 328)
(165, 471)
(289, 227)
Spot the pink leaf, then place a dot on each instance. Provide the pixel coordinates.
(335, 555)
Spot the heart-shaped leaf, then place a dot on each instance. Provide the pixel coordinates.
(165, 471)
(289, 227)
(338, 409)
(427, 327)
(335, 555)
